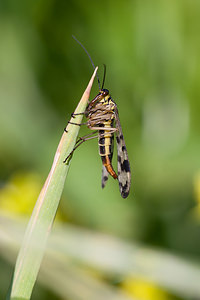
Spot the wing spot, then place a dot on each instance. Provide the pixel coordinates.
(124, 194)
(124, 190)
(119, 159)
(125, 186)
(125, 166)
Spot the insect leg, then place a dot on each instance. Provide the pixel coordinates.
(110, 129)
(82, 140)
(73, 116)
(78, 114)
(79, 142)
(73, 150)
(73, 124)
(85, 136)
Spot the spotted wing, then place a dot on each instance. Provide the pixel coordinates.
(124, 172)
(104, 176)
(105, 173)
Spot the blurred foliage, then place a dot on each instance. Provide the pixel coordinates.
(151, 49)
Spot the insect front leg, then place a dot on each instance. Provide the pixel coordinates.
(73, 115)
(73, 123)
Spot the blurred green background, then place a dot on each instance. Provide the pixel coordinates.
(152, 53)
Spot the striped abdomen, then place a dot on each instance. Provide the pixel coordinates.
(106, 147)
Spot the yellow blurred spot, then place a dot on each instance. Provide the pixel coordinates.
(19, 195)
(143, 290)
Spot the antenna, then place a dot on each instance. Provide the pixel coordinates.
(90, 60)
(104, 76)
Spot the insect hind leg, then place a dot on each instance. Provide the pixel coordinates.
(83, 139)
(86, 136)
(80, 141)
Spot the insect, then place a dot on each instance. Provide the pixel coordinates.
(103, 118)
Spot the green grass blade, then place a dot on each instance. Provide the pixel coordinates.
(39, 226)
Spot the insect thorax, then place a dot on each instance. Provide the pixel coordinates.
(101, 112)
(107, 100)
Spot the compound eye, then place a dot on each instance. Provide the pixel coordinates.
(105, 92)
